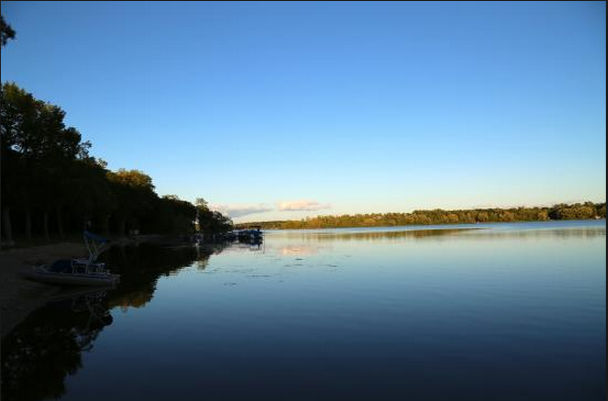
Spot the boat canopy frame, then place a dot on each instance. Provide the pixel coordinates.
(96, 244)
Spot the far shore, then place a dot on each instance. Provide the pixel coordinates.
(19, 297)
(271, 225)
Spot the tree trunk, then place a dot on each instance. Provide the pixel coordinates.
(45, 226)
(105, 224)
(134, 226)
(121, 226)
(68, 222)
(28, 224)
(6, 225)
(60, 223)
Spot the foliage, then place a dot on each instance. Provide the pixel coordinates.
(7, 32)
(578, 211)
(174, 215)
(50, 183)
(211, 221)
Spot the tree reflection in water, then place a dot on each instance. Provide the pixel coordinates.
(42, 351)
(39, 354)
(141, 266)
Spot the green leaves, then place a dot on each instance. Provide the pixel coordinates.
(36, 129)
(578, 211)
(47, 169)
(7, 32)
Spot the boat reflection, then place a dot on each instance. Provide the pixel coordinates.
(47, 347)
(39, 354)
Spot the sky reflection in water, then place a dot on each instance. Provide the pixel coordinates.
(512, 311)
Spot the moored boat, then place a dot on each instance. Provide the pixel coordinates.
(65, 272)
(82, 271)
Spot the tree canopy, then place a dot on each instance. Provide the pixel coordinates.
(7, 32)
(50, 183)
(577, 211)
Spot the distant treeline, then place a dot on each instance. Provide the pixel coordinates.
(577, 211)
(51, 186)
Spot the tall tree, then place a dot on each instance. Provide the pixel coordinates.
(7, 32)
(37, 148)
(135, 195)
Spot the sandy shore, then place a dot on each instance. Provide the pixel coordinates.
(19, 296)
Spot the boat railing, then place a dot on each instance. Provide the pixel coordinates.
(96, 244)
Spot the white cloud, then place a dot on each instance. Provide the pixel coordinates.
(241, 210)
(236, 211)
(302, 205)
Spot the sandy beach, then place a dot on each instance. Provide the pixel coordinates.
(19, 296)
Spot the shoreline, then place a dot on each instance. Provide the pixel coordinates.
(425, 226)
(20, 296)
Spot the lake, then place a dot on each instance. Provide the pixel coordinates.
(468, 312)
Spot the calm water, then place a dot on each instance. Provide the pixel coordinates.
(497, 312)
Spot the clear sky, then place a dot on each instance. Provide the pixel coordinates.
(296, 109)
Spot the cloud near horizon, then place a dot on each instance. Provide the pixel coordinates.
(302, 206)
(235, 211)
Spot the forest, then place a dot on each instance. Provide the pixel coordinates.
(577, 211)
(52, 187)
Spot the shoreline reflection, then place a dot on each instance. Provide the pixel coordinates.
(47, 347)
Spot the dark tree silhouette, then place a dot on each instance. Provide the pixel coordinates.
(52, 186)
(7, 32)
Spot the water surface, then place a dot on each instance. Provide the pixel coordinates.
(475, 312)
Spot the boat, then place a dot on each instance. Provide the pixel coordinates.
(78, 271)
(253, 234)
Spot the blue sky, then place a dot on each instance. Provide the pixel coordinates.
(298, 109)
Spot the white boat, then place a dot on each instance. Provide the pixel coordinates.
(46, 274)
(83, 271)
